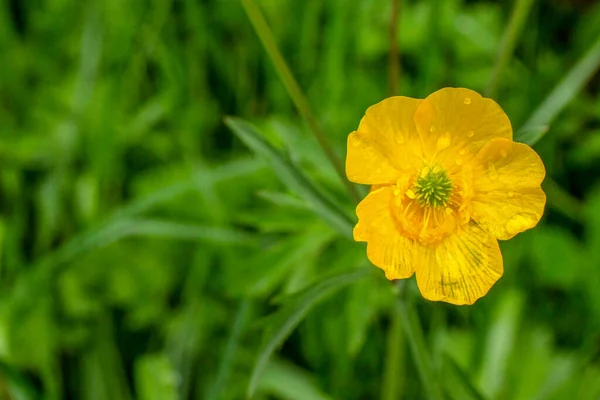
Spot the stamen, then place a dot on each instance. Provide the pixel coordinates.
(433, 187)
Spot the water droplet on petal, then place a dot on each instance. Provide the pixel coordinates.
(443, 141)
(467, 100)
(517, 224)
(432, 128)
(503, 153)
(462, 152)
(470, 133)
(492, 173)
(400, 139)
(458, 161)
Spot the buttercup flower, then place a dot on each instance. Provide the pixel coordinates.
(447, 182)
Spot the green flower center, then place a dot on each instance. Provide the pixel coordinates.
(433, 187)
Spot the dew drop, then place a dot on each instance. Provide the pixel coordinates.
(443, 141)
(399, 139)
(516, 224)
(503, 153)
(458, 161)
(432, 128)
(492, 173)
(467, 100)
(462, 152)
(470, 133)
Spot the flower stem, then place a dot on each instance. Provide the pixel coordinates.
(393, 55)
(393, 373)
(414, 333)
(291, 85)
(509, 40)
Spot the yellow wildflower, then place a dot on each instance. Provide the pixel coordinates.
(447, 182)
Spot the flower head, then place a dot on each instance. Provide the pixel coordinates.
(447, 182)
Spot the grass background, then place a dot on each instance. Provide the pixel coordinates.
(146, 253)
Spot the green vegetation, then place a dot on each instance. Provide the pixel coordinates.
(172, 225)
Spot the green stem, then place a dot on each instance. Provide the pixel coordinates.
(393, 374)
(561, 200)
(416, 340)
(231, 350)
(393, 55)
(509, 40)
(295, 92)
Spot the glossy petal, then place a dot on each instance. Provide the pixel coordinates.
(368, 163)
(454, 124)
(507, 198)
(386, 247)
(461, 268)
(386, 141)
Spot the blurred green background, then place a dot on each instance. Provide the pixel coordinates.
(147, 253)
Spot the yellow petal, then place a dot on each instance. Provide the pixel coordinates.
(454, 124)
(461, 268)
(368, 163)
(507, 198)
(386, 139)
(386, 247)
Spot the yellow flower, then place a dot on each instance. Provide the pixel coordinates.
(447, 182)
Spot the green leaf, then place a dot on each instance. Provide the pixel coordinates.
(285, 320)
(155, 378)
(292, 177)
(500, 342)
(290, 382)
(457, 381)
(229, 355)
(563, 93)
(416, 340)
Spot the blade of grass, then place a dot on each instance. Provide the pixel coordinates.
(509, 40)
(563, 93)
(393, 373)
(458, 376)
(290, 315)
(416, 340)
(229, 355)
(293, 88)
(292, 177)
(290, 382)
(562, 201)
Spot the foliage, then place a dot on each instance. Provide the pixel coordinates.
(145, 252)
